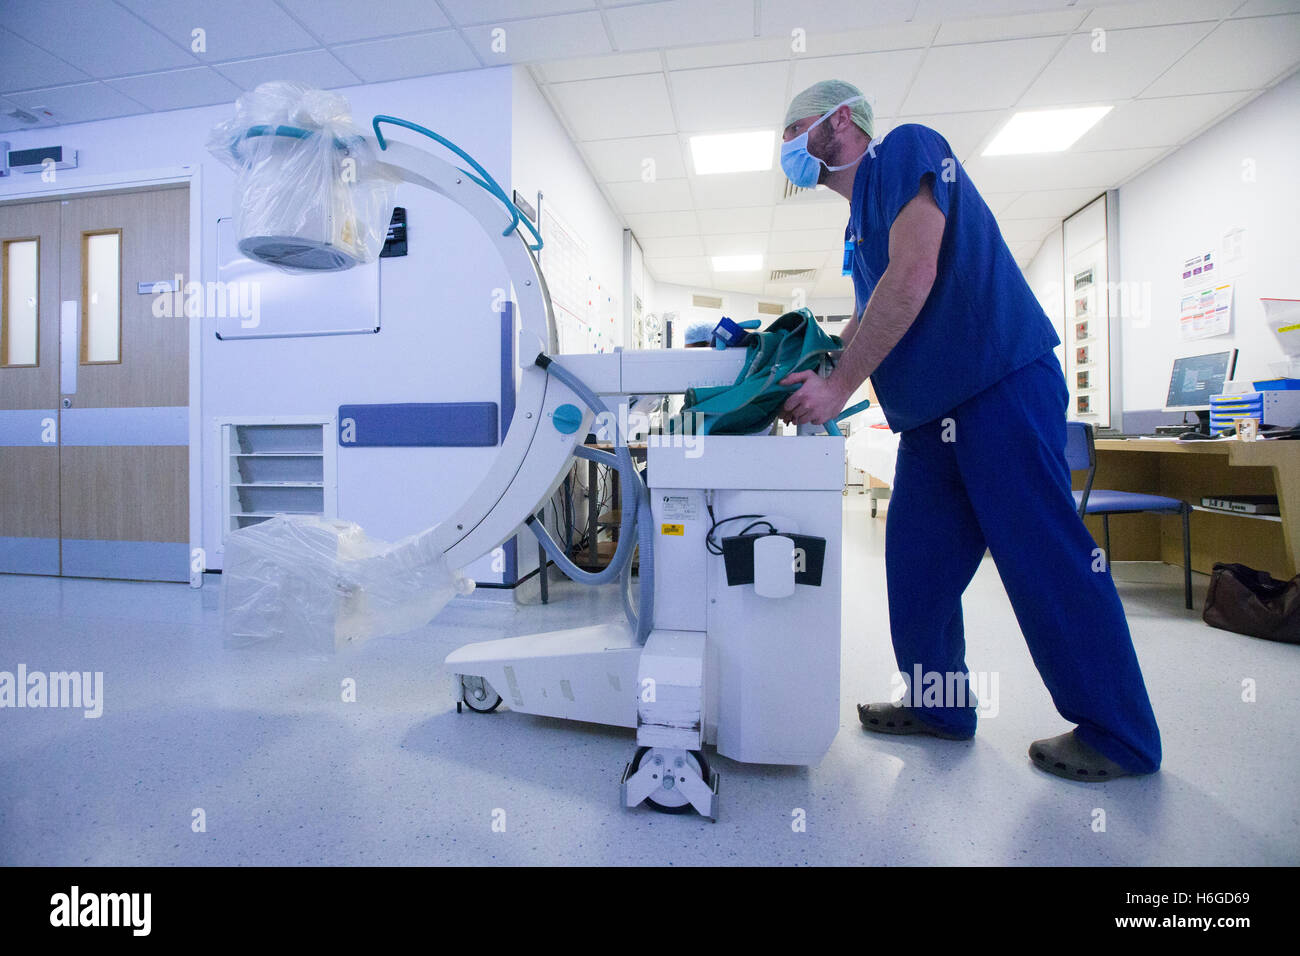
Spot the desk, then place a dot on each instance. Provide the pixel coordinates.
(1191, 471)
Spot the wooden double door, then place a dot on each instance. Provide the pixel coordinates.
(94, 386)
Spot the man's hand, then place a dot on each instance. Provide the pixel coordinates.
(816, 402)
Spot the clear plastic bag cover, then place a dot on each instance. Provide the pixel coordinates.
(311, 583)
(318, 183)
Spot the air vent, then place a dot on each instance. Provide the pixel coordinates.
(771, 308)
(22, 116)
(792, 191)
(784, 275)
(706, 301)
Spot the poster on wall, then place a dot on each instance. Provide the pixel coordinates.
(1206, 312)
(1198, 271)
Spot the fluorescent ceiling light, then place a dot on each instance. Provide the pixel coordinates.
(746, 263)
(733, 152)
(1044, 131)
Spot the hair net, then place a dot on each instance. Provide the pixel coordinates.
(823, 97)
(699, 332)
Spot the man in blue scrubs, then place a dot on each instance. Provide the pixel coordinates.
(960, 354)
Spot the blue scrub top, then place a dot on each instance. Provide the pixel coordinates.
(981, 321)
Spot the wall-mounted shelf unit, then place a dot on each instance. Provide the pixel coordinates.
(276, 465)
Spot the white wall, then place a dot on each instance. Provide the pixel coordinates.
(437, 317)
(543, 157)
(1044, 275)
(740, 306)
(1183, 206)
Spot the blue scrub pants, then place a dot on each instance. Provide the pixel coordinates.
(992, 473)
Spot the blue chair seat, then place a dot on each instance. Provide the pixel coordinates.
(1117, 502)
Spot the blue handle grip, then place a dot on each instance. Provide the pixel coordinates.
(834, 429)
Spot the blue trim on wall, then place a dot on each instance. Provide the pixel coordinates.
(133, 560)
(23, 426)
(419, 425)
(29, 555)
(161, 425)
(511, 574)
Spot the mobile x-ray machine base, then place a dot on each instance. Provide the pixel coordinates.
(739, 650)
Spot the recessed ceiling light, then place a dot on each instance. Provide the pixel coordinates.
(745, 263)
(733, 152)
(1044, 131)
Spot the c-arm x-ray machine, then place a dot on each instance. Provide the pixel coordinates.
(735, 638)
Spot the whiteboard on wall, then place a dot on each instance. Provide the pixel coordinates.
(283, 305)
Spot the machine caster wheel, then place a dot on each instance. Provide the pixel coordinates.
(671, 800)
(478, 695)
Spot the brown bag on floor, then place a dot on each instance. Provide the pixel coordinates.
(1253, 602)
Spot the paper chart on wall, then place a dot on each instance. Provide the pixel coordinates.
(1206, 312)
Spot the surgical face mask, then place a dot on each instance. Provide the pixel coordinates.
(803, 168)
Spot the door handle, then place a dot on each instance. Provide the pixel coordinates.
(69, 346)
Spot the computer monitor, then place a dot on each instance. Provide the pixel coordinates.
(1195, 378)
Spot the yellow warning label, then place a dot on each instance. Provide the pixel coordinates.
(677, 529)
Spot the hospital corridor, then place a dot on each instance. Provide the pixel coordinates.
(648, 433)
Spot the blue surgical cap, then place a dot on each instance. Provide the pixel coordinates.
(699, 332)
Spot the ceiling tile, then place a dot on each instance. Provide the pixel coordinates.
(1151, 13)
(1238, 55)
(695, 275)
(593, 67)
(1165, 121)
(1260, 8)
(1130, 61)
(742, 219)
(976, 29)
(651, 25)
(600, 109)
(883, 77)
(80, 103)
(734, 189)
(661, 195)
(315, 68)
(736, 244)
(801, 214)
(341, 21)
(24, 66)
(416, 55)
(1104, 169)
(998, 202)
(807, 240)
(1049, 203)
(243, 28)
(100, 37)
(935, 10)
(763, 50)
(977, 76)
(178, 89)
(729, 97)
(651, 225)
(902, 36)
(965, 132)
(543, 38)
(492, 11)
(625, 160)
(676, 263)
(828, 17)
(1023, 230)
(672, 246)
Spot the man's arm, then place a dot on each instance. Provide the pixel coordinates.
(914, 241)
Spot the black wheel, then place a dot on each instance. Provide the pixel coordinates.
(478, 694)
(671, 801)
